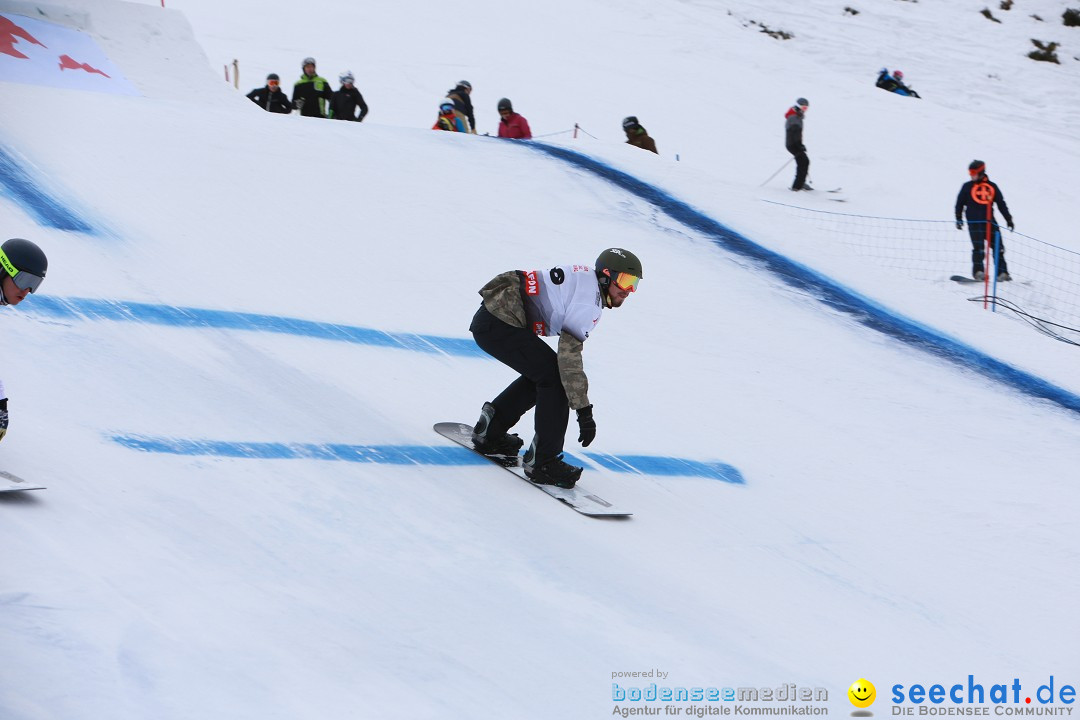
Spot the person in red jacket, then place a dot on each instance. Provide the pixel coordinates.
(511, 124)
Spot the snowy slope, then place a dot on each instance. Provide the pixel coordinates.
(223, 386)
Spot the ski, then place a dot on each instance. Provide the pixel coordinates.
(13, 483)
(579, 498)
(826, 193)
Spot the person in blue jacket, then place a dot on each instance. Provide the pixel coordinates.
(894, 83)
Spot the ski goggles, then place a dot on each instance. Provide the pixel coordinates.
(626, 282)
(273, 83)
(22, 279)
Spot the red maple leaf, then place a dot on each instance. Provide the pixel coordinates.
(9, 32)
(67, 63)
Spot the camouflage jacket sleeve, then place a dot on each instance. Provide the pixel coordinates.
(572, 371)
(502, 298)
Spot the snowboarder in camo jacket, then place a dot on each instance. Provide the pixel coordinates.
(518, 308)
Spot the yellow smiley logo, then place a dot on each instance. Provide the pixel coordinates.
(862, 693)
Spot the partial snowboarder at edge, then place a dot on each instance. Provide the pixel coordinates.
(22, 270)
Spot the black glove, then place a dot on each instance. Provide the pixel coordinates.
(3, 418)
(587, 425)
(959, 224)
(1011, 226)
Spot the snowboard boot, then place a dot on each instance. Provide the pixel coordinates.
(979, 275)
(485, 444)
(553, 472)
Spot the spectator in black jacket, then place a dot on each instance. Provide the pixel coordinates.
(977, 199)
(346, 100)
(270, 97)
(463, 103)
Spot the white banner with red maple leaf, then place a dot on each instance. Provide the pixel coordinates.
(37, 52)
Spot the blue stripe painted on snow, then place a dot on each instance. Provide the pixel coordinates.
(653, 465)
(188, 317)
(411, 455)
(16, 183)
(824, 289)
(382, 454)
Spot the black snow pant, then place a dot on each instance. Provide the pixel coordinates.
(977, 230)
(539, 383)
(802, 167)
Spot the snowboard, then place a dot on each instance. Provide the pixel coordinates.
(963, 280)
(14, 483)
(579, 498)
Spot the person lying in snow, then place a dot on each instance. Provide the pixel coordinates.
(894, 83)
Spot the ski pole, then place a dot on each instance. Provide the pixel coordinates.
(986, 265)
(997, 262)
(777, 172)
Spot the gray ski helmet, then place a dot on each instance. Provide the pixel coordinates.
(802, 102)
(307, 61)
(346, 77)
(614, 261)
(24, 262)
(465, 84)
(504, 104)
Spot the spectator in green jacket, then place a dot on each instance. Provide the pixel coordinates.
(311, 93)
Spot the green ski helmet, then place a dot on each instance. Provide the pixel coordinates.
(619, 266)
(24, 262)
